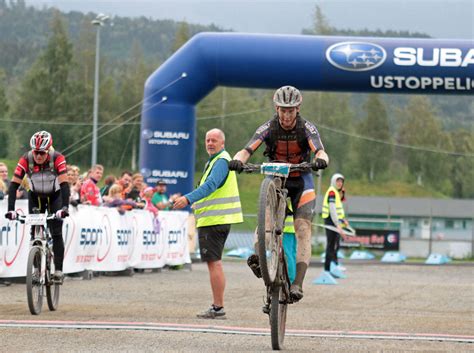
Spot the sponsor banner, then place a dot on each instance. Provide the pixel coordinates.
(414, 66)
(101, 239)
(150, 240)
(168, 137)
(378, 239)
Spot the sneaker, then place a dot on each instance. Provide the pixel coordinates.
(212, 313)
(296, 292)
(254, 265)
(58, 277)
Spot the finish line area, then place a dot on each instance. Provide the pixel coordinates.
(377, 307)
(217, 329)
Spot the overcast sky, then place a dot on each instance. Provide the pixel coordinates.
(437, 18)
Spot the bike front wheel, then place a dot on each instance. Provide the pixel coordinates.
(52, 288)
(278, 309)
(34, 287)
(266, 231)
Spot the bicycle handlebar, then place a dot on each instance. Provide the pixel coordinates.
(301, 167)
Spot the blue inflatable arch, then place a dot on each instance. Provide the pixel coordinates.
(382, 65)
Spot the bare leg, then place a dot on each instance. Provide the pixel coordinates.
(303, 254)
(216, 275)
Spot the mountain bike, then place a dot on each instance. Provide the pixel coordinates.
(40, 267)
(271, 219)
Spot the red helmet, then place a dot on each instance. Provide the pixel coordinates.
(41, 141)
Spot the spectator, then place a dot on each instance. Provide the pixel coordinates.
(116, 200)
(125, 182)
(22, 192)
(90, 192)
(72, 174)
(3, 189)
(108, 182)
(4, 174)
(147, 195)
(136, 188)
(160, 199)
(76, 191)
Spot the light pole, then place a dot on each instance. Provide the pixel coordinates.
(98, 22)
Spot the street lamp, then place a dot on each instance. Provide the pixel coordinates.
(98, 22)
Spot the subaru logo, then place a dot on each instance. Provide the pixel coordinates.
(145, 172)
(356, 56)
(147, 134)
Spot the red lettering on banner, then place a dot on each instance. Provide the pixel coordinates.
(84, 258)
(122, 258)
(377, 239)
(148, 257)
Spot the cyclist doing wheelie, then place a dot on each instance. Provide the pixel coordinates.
(290, 139)
(48, 189)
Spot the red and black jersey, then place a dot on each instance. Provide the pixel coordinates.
(55, 161)
(291, 146)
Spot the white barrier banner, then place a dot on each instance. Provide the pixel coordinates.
(102, 239)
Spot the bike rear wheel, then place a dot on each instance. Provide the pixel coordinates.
(34, 288)
(278, 309)
(267, 239)
(52, 288)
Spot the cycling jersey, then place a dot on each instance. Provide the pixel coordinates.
(290, 146)
(42, 178)
(45, 193)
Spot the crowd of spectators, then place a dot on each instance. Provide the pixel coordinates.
(125, 193)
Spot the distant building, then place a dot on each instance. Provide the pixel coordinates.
(425, 225)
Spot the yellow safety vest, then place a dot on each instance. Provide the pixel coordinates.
(223, 205)
(289, 222)
(339, 207)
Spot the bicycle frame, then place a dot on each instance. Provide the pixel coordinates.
(41, 236)
(39, 268)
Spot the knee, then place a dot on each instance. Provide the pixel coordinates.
(302, 227)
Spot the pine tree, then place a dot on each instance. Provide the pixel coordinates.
(421, 128)
(182, 36)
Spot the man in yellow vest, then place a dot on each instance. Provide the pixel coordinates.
(216, 205)
(334, 216)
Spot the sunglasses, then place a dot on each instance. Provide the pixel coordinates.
(39, 153)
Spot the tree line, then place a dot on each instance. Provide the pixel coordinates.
(47, 78)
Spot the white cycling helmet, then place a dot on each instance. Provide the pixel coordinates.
(41, 141)
(287, 96)
(334, 179)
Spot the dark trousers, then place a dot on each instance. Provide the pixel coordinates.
(332, 245)
(51, 203)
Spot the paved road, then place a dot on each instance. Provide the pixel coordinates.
(374, 298)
